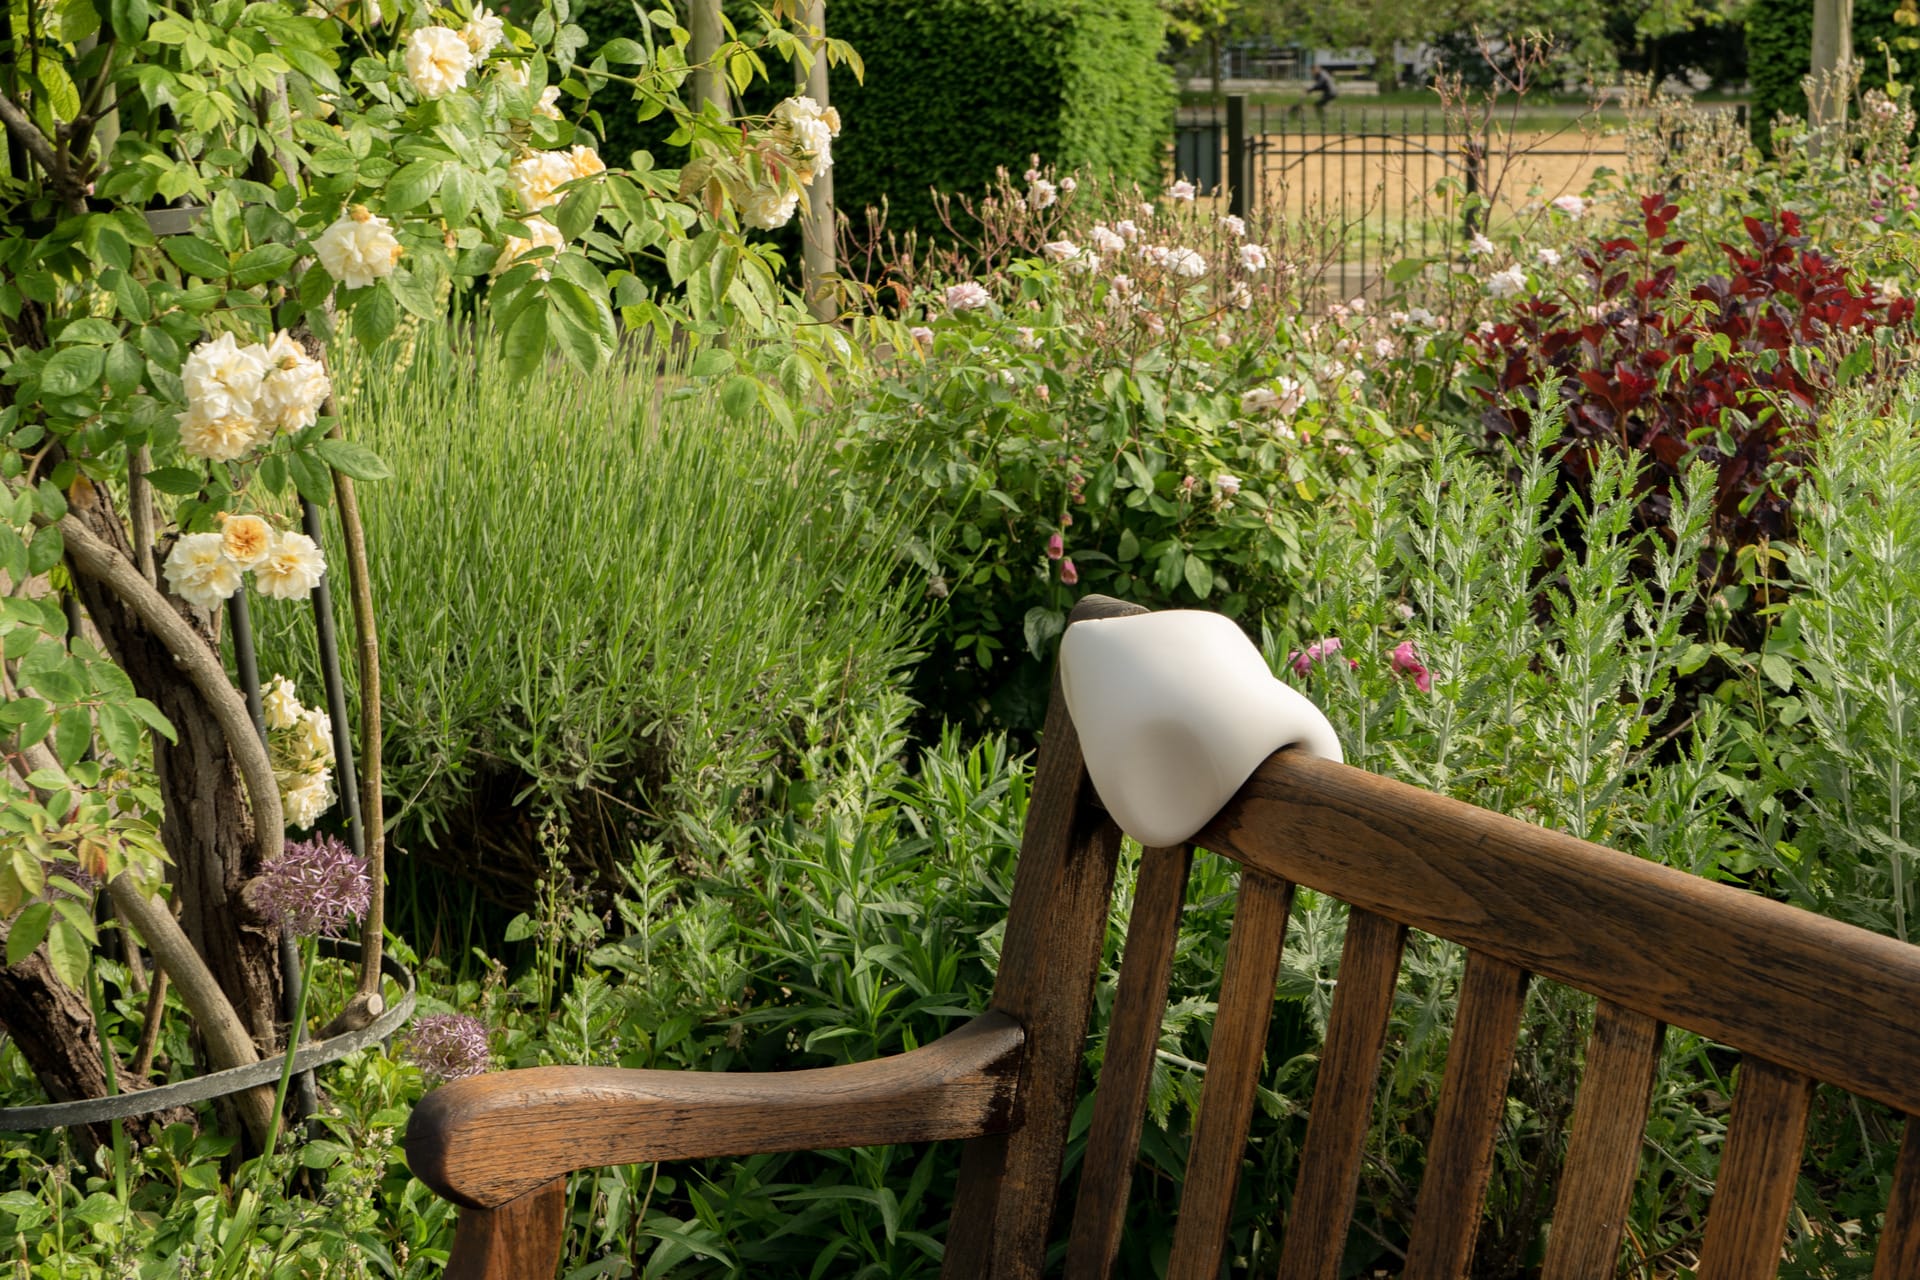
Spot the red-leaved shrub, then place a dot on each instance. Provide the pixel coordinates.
(1734, 372)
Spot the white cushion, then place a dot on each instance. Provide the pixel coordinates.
(1174, 711)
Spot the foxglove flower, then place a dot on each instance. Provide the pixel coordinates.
(1406, 661)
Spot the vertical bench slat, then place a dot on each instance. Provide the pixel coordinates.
(1056, 930)
(1898, 1255)
(1473, 1098)
(1603, 1155)
(1766, 1135)
(519, 1238)
(1133, 1038)
(1316, 1234)
(1233, 1071)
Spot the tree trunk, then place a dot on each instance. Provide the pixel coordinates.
(53, 1027)
(1832, 59)
(208, 826)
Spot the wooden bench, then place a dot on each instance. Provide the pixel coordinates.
(1803, 998)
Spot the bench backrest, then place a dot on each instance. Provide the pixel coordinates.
(1803, 998)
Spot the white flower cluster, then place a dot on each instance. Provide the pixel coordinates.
(358, 248)
(239, 397)
(204, 569)
(1504, 284)
(438, 60)
(300, 744)
(544, 236)
(806, 131)
(537, 178)
(803, 131)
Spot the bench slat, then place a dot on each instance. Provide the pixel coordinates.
(1233, 1070)
(1473, 1098)
(1603, 1155)
(1056, 930)
(1343, 1094)
(1133, 1038)
(1765, 1137)
(1898, 1256)
(1813, 994)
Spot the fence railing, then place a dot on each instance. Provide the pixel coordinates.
(1370, 185)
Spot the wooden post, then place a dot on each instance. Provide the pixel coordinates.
(709, 78)
(1830, 79)
(818, 260)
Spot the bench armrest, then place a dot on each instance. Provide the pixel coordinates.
(487, 1140)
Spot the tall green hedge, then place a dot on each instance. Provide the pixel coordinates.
(956, 88)
(1780, 54)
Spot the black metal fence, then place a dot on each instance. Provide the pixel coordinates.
(1366, 186)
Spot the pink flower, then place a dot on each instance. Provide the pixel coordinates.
(966, 296)
(1068, 574)
(922, 334)
(1406, 661)
(1056, 546)
(1321, 648)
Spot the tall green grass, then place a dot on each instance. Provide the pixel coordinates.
(603, 598)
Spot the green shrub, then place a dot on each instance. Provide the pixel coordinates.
(956, 89)
(602, 593)
(1780, 54)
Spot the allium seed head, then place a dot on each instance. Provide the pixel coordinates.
(448, 1046)
(315, 887)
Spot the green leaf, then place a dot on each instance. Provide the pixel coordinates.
(178, 481)
(415, 294)
(72, 734)
(151, 716)
(350, 459)
(414, 185)
(125, 367)
(578, 211)
(68, 952)
(525, 345)
(1777, 669)
(71, 371)
(459, 193)
(712, 362)
(259, 265)
(622, 49)
(374, 317)
(1129, 546)
(310, 477)
(520, 928)
(1199, 575)
(739, 395)
(130, 20)
(197, 257)
(28, 928)
(13, 556)
(581, 323)
(1042, 625)
(121, 732)
(45, 551)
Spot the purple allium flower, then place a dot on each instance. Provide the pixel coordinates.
(448, 1046)
(315, 887)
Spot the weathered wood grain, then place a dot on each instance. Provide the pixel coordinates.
(1603, 1155)
(1133, 1038)
(489, 1139)
(1898, 1254)
(1766, 1134)
(1473, 1098)
(1316, 1234)
(1056, 928)
(519, 1240)
(1814, 995)
(1233, 1071)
